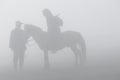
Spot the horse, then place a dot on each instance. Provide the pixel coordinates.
(66, 39)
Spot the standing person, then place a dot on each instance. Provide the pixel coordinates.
(18, 40)
(53, 23)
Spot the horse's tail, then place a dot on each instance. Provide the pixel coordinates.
(82, 47)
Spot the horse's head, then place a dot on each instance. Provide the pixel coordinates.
(32, 29)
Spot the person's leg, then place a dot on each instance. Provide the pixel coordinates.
(15, 59)
(21, 59)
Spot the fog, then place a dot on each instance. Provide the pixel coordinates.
(97, 21)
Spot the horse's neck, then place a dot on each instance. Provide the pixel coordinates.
(38, 36)
(35, 35)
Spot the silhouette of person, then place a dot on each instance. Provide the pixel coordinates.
(18, 40)
(53, 23)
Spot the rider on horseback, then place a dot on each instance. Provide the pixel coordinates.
(53, 23)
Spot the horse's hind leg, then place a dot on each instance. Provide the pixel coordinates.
(46, 60)
(77, 53)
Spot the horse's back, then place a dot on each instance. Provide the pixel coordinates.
(72, 36)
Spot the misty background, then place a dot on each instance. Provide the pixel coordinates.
(97, 20)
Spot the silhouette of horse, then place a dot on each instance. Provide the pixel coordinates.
(70, 39)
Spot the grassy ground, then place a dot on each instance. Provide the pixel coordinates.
(71, 73)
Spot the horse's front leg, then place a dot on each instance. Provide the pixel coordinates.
(46, 59)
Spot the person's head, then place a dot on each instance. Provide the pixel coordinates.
(47, 13)
(18, 24)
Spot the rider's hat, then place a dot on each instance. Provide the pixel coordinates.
(47, 12)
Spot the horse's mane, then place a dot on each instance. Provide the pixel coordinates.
(34, 27)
